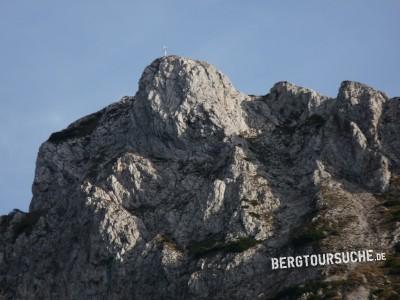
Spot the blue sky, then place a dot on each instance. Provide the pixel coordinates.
(60, 60)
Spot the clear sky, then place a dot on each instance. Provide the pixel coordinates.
(60, 60)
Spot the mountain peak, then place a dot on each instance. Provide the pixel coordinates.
(180, 91)
(350, 88)
(172, 70)
(187, 189)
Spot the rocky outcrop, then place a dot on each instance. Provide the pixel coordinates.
(187, 189)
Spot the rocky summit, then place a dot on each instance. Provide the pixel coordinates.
(189, 188)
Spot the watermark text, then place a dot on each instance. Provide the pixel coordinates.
(337, 258)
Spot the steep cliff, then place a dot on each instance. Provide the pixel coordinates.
(187, 189)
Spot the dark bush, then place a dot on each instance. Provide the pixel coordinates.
(210, 246)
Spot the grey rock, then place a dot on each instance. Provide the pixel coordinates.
(187, 189)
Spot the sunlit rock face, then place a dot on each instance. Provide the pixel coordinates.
(187, 189)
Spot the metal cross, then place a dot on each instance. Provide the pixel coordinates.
(165, 50)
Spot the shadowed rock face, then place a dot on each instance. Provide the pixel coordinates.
(187, 189)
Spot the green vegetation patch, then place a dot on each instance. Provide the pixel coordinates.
(385, 294)
(391, 200)
(392, 269)
(210, 246)
(393, 264)
(255, 215)
(318, 290)
(314, 289)
(311, 235)
(169, 242)
(392, 195)
(397, 248)
(395, 215)
(254, 202)
(241, 245)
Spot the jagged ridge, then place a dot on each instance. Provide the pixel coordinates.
(185, 191)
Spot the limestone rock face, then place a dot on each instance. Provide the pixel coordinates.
(187, 189)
